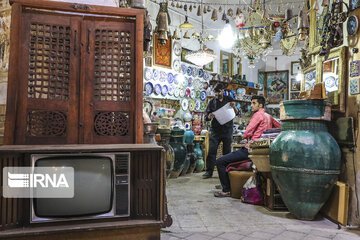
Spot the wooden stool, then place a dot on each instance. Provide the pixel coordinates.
(237, 181)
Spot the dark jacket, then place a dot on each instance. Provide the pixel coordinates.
(213, 105)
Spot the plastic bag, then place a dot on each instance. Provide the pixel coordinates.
(252, 192)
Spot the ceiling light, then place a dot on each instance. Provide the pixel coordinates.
(201, 57)
(186, 25)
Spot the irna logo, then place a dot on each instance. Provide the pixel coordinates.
(16, 180)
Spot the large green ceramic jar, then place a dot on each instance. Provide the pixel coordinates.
(176, 142)
(169, 151)
(305, 158)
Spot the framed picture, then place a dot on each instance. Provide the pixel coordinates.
(295, 68)
(162, 53)
(276, 86)
(185, 51)
(209, 67)
(295, 85)
(226, 63)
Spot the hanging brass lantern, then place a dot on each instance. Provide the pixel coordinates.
(147, 32)
(205, 10)
(176, 35)
(316, 6)
(214, 15)
(190, 8)
(238, 12)
(186, 35)
(325, 3)
(303, 25)
(230, 12)
(265, 14)
(209, 8)
(220, 9)
(288, 14)
(172, 4)
(162, 22)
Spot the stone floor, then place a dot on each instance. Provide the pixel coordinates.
(198, 215)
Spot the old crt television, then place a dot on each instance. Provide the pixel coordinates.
(101, 187)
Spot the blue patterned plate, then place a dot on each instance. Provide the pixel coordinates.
(156, 74)
(176, 65)
(170, 78)
(183, 69)
(190, 82)
(149, 88)
(203, 96)
(148, 74)
(195, 72)
(158, 89)
(329, 82)
(197, 105)
(163, 76)
(206, 75)
(171, 90)
(176, 92)
(201, 73)
(189, 71)
(164, 90)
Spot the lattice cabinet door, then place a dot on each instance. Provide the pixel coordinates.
(109, 80)
(49, 76)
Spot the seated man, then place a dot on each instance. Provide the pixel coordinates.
(260, 122)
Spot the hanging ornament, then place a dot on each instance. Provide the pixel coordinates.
(279, 9)
(163, 21)
(238, 11)
(204, 10)
(220, 9)
(265, 14)
(173, 4)
(199, 11)
(325, 3)
(181, 6)
(185, 7)
(214, 15)
(316, 6)
(194, 6)
(224, 17)
(292, 6)
(288, 14)
(186, 35)
(190, 8)
(177, 5)
(230, 12)
(209, 9)
(269, 8)
(240, 20)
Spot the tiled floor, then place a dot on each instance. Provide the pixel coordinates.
(198, 215)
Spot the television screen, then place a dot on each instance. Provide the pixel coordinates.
(93, 187)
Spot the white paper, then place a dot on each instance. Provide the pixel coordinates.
(224, 114)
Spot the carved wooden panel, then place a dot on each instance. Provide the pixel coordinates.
(112, 80)
(48, 80)
(49, 61)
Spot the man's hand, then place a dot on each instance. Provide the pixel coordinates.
(232, 104)
(211, 116)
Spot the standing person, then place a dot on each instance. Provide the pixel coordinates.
(260, 122)
(219, 133)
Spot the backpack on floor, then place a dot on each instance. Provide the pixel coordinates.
(252, 192)
(244, 165)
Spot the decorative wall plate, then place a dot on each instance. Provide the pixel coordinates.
(191, 105)
(195, 72)
(189, 71)
(163, 76)
(329, 82)
(193, 94)
(183, 69)
(156, 74)
(202, 106)
(170, 78)
(177, 79)
(171, 90)
(185, 82)
(197, 105)
(201, 73)
(149, 88)
(187, 92)
(177, 48)
(158, 89)
(176, 65)
(198, 93)
(352, 25)
(203, 96)
(182, 93)
(184, 104)
(148, 74)
(176, 92)
(190, 82)
(206, 75)
(164, 90)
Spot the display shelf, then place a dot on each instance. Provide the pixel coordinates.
(235, 100)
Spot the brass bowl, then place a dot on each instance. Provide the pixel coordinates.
(150, 128)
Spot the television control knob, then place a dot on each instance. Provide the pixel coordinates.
(81, 124)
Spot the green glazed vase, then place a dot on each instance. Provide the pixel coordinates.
(176, 142)
(169, 151)
(304, 158)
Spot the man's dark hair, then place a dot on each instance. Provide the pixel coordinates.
(218, 87)
(260, 100)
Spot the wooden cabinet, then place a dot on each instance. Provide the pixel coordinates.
(75, 74)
